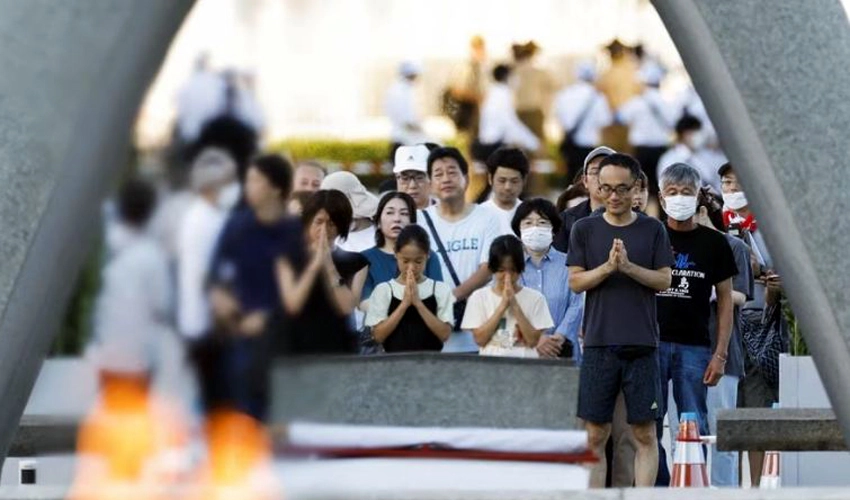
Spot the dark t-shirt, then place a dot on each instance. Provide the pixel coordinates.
(702, 258)
(620, 311)
(569, 217)
(244, 259)
(320, 329)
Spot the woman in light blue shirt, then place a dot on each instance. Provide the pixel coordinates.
(535, 223)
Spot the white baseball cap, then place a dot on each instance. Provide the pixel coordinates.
(411, 158)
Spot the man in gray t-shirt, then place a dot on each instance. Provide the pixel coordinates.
(621, 259)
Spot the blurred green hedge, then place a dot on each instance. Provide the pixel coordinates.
(376, 153)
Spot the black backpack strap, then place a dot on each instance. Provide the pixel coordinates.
(656, 113)
(584, 112)
(441, 248)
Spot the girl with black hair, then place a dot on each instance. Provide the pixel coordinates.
(506, 318)
(411, 312)
(320, 290)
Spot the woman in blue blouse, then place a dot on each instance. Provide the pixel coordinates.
(535, 222)
(395, 211)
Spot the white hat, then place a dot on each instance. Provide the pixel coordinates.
(411, 158)
(363, 203)
(212, 166)
(408, 68)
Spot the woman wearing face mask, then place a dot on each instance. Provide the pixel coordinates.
(411, 312)
(395, 212)
(507, 318)
(536, 222)
(321, 289)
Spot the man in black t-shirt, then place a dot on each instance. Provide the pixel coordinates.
(703, 262)
(621, 259)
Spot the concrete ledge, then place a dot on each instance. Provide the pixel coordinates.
(57, 493)
(426, 389)
(785, 429)
(44, 434)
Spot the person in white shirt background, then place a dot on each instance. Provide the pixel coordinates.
(131, 333)
(400, 107)
(500, 125)
(464, 230)
(361, 235)
(199, 100)
(582, 111)
(411, 174)
(213, 179)
(690, 147)
(507, 172)
(650, 120)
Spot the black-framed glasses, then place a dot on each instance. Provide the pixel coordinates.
(621, 190)
(411, 178)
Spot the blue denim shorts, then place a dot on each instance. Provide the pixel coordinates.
(605, 371)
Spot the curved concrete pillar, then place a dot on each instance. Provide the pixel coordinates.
(73, 74)
(774, 79)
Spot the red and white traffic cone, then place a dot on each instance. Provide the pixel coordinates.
(770, 479)
(688, 462)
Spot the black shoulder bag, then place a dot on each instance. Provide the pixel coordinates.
(460, 305)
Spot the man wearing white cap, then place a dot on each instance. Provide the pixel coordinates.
(582, 111)
(213, 179)
(401, 109)
(411, 174)
(364, 205)
(651, 120)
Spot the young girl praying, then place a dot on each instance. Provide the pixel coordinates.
(411, 312)
(506, 318)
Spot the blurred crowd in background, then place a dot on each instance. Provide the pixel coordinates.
(236, 256)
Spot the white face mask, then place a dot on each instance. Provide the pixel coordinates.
(680, 207)
(697, 140)
(735, 201)
(536, 239)
(228, 196)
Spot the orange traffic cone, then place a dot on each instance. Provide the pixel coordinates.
(770, 479)
(689, 463)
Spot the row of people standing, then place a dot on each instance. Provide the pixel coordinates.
(280, 284)
(692, 297)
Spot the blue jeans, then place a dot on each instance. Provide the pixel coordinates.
(724, 464)
(685, 365)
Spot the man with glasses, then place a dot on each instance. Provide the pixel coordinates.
(704, 265)
(621, 258)
(590, 173)
(411, 174)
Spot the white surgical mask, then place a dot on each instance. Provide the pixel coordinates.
(735, 201)
(680, 207)
(228, 196)
(697, 140)
(536, 239)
